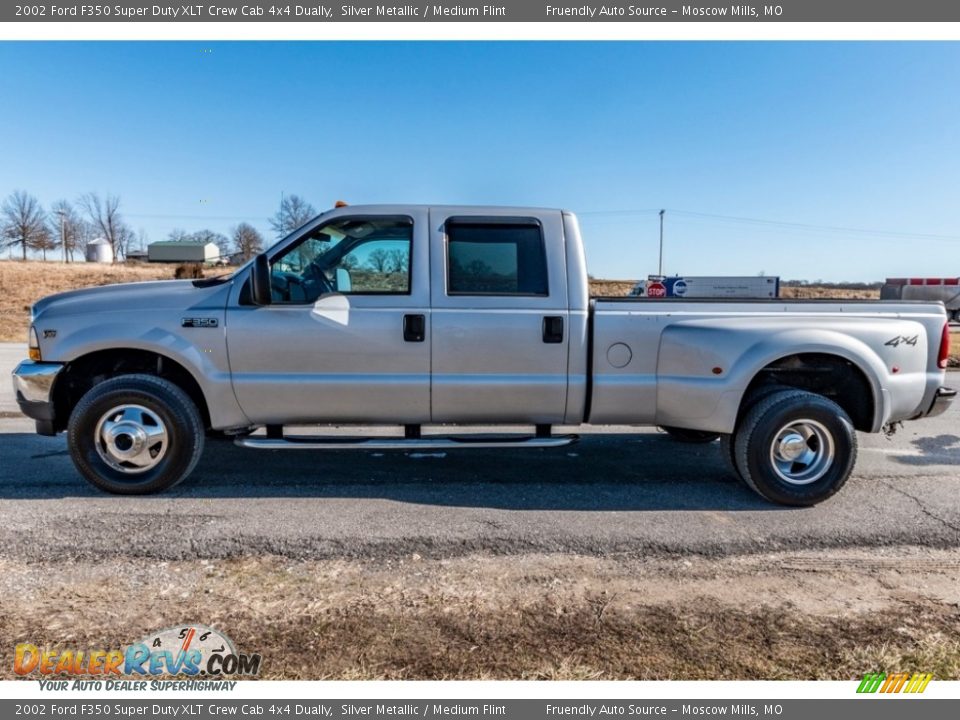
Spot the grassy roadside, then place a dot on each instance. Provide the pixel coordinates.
(23, 283)
(531, 617)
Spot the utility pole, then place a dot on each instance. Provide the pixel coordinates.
(63, 236)
(660, 266)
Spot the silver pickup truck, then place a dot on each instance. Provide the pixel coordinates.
(414, 315)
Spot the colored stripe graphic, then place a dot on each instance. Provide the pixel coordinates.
(894, 683)
(871, 682)
(918, 683)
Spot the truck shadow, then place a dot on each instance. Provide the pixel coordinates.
(937, 450)
(601, 473)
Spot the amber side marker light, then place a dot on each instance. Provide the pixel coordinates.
(33, 345)
(340, 204)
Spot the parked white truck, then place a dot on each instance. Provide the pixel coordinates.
(467, 316)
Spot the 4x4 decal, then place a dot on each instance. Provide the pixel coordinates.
(902, 340)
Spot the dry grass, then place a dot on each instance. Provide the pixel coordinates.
(611, 288)
(538, 617)
(23, 283)
(812, 292)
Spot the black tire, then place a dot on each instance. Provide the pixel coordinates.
(728, 453)
(690, 436)
(727, 449)
(775, 428)
(157, 403)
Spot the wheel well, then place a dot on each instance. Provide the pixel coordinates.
(832, 376)
(86, 371)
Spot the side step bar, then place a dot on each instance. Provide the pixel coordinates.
(306, 442)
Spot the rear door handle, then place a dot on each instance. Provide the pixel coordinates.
(414, 328)
(553, 329)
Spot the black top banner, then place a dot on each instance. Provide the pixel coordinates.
(892, 11)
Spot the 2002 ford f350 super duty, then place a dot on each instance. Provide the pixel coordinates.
(414, 315)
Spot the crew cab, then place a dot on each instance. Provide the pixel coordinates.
(408, 316)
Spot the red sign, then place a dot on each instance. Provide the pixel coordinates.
(656, 290)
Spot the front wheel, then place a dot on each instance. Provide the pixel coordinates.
(135, 434)
(795, 448)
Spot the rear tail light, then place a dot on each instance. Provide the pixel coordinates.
(944, 353)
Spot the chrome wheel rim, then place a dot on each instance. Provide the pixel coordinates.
(802, 452)
(131, 439)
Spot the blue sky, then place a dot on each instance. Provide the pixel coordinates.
(859, 136)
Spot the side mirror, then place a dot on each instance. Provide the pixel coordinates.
(260, 281)
(344, 281)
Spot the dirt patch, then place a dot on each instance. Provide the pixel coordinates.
(799, 616)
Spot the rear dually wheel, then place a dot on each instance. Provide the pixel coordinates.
(795, 448)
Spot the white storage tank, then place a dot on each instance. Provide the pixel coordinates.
(99, 251)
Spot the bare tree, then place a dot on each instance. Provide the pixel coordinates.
(69, 231)
(104, 215)
(399, 260)
(44, 242)
(294, 211)
(209, 236)
(125, 238)
(380, 261)
(247, 242)
(23, 222)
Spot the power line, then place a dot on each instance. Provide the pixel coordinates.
(246, 218)
(777, 223)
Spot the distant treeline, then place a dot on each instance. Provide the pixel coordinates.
(64, 230)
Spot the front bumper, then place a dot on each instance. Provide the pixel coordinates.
(941, 401)
(33, 387)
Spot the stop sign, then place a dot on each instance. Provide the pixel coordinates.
(656, 290)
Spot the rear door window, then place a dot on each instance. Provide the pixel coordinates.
(495, 258)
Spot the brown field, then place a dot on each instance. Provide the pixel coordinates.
(22, 284)
(824, 614)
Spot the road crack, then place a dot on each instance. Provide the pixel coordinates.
(923, 508)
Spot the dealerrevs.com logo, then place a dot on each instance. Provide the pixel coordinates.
(184, 650)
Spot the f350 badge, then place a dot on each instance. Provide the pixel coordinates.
(902, 340)
(199, 322)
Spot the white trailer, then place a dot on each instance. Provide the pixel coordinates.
(183, 251)
(708, 286)
(946, 290)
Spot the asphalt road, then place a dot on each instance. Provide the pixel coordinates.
(616, 491)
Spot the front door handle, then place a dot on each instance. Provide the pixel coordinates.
(553, 329)
(414, 328)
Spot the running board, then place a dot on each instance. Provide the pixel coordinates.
(306, 442)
